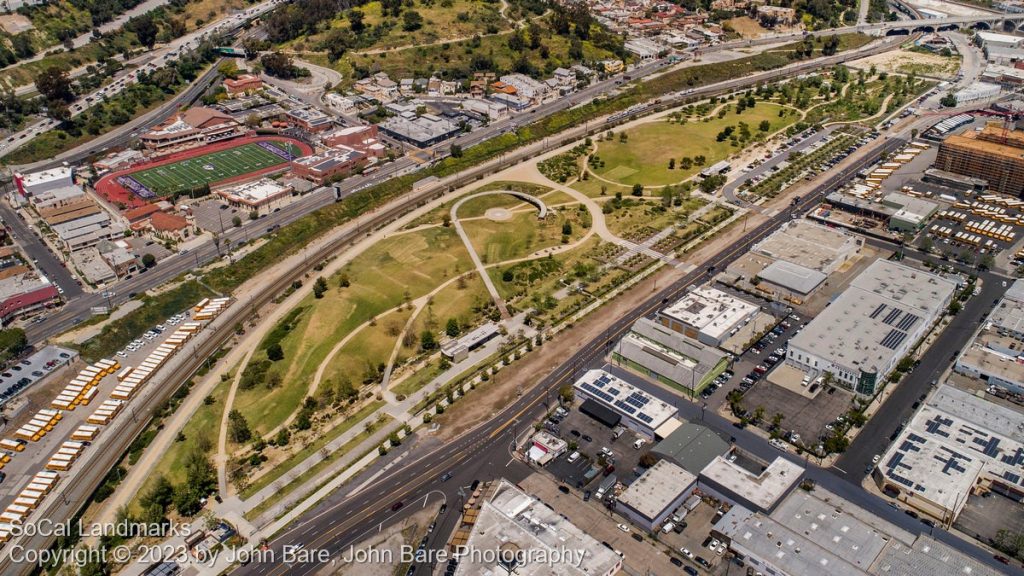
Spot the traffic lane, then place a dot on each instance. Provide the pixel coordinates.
(36, 249)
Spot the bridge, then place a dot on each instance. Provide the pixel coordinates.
(997, 22)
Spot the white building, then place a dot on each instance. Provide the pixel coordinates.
(509, 519)
(986, 39)
(637, 409)
(652, 497)
(492, 110)
(643, 48)
(708, 315)
(956, 445)
(749, 481)
(43, 181)
(861, 336)
(528, 88)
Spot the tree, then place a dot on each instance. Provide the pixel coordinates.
(274, 352)
(355, 21)
(566, 228)
(456, 151)
(22, 45)
(411, 21)
(452, 327)
(238, 427)
(764, 126)
(638, 189)
(427, 341)
(236, 221)
(319, 287)
(949, 100)
(148, 260)
(343, 281)
(161, 493)
(55, 85)
(144, 28)
(671, 163)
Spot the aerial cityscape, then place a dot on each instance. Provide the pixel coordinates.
(512, 287)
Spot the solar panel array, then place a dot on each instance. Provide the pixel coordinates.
(877, 311)
(894, 338)
(632, 405)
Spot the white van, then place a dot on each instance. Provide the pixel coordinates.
(639, 443)
(573, 457)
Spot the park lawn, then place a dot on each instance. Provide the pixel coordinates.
(523, 234)
(648, 213)
(593, 187)
(557, 198)
(359, 358)
(477, 206)
(644, 158)
(278, 470)
(204, 425)
(535, 282)
(414, 262)
(463, 300)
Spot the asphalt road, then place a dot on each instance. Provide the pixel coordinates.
(35, 249)
(335, 526)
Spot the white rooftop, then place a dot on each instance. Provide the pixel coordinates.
(44, 176)
(762, 490)
(709, 310)
(514, 520)
(657, 489)
(256, 191)
(622, 397)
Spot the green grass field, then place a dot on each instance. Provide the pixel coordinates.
(217, 166)
(644, 157)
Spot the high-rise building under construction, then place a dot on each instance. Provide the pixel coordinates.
(994, 153)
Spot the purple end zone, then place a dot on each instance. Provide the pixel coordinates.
(269, 147)
(138, 188)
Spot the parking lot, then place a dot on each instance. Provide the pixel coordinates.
(588, 437)
(984, 516)
(20, 375)
(215, 216)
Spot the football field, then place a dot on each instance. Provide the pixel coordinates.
(192, 173)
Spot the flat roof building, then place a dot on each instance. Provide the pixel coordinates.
(459, 348)
(691, 446)
(43, 181)
(420, 131)
(868, 328)
(995, 359)
(328, 165)
(669, 357)
(793, 278)
(310, 119)
(708, 315)
(750, 481)
(514, 521)
(639, 410)
(652, 497)
(810, 245)
(255, 195)
(957, 444)
(987, 154)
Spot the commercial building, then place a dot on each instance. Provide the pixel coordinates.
(691, 446)
(788, 278)
(720, 167)
(810, 245)
(38, 183)
(994, 358)
(750, 481)
(23, 294)
(255, 195)
(493, 111)
(363, 138)
(458, 349)
(311, 120)
(957, 444)
(118, 255)
(545, 447)
(819, 532)
(669, 357)
(637, 409)
(244, 84)
(194, 127)
(861, 336)
(989, 154)
(533, 90)
(328, 165)
(989, 39)
(652, 497)
(708, 315)
(420, 131)
(511, 520)
(87, 231)
(976, 92)
(644, 48)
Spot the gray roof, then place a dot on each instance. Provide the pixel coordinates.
(668, 353)
(691, 446)
(928, 557)
(793, 277)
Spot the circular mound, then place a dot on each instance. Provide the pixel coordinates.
(498, 214)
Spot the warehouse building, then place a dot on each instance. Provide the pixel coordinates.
(255, 195)
(669, 357)
(819, 532)
(861, 336)
(420, 131)
(691, 446)
(653, 496)
(956, 445)
(708, 315)
(38, 183)
(750, 481)
(992, 154)
(512, 521)
(810, 245)
(635, 408)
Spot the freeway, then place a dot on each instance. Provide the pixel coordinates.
(170, 268)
